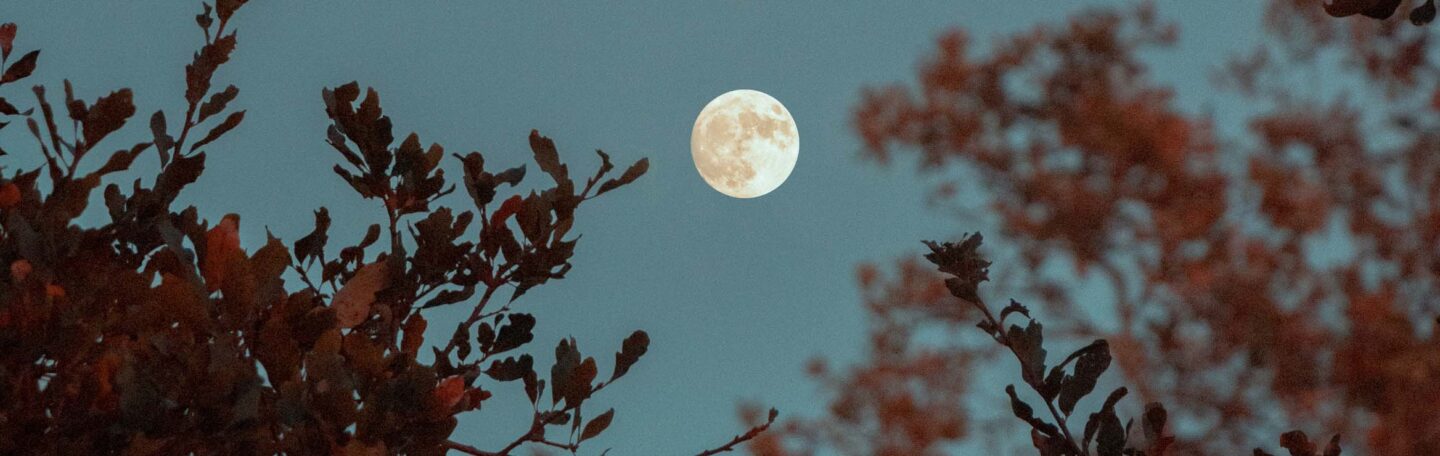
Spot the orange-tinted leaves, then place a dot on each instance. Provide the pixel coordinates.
(365, 356)
(222, 245)
(176, 300)
(270, 261)
(54, 291)
(352, 302)
(20, 270)
(449, 391)
(510, 207)
(7, 39)
(414, 334)
(276, 350)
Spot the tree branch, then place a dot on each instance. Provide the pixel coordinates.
(742, 438)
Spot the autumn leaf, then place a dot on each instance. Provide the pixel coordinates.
(414, 334)
(352, 302)
(597, 425)
(7, 39)
(222, 244)
(510, 207)
(449, 391)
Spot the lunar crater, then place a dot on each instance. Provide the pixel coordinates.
(744, 143)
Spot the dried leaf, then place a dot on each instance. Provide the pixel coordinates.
(449, 391)
(414, 334)
(7, 39)
(222, 246)
(352, 302)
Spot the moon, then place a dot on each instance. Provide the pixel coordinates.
(744, 143)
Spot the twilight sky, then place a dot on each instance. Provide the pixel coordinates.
(736, 294)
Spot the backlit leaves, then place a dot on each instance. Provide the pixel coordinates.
(352, 303)
(7, 39)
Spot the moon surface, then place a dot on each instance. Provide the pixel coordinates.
(744, 143)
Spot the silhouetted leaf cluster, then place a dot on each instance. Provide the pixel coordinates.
(1059, 391)
(1380, 9)
(159, 333)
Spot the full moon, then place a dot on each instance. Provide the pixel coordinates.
(744, 143)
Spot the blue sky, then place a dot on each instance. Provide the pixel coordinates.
(736, 294)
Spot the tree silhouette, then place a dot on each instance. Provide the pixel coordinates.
(159, 333)
(1280, 279)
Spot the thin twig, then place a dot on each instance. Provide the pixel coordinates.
(742, 438)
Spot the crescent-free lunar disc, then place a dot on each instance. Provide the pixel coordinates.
(744, 143)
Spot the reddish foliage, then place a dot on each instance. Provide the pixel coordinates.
(156, 333)
(1236, 304)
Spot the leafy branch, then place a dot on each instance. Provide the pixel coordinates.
(1060, 390)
